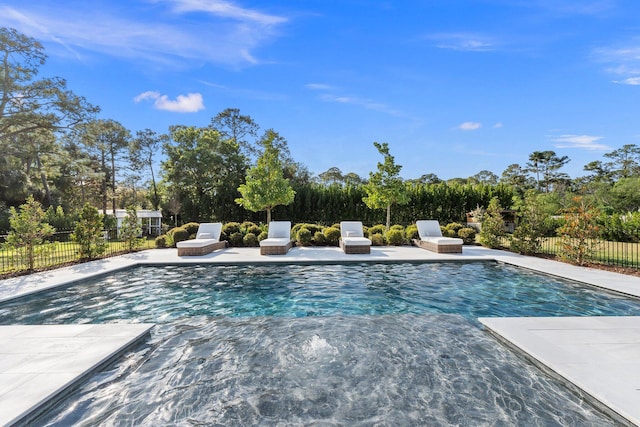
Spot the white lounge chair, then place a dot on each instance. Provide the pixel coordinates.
(352, 240)
(431, 238)
(207, 240)
(278, 241)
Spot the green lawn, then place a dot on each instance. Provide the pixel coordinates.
(59, 253)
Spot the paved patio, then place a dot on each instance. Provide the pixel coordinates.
(598, 356)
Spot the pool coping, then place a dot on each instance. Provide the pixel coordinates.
(22, 286)
(42, 364)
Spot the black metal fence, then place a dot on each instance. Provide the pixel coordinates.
(620, 248)
(58, 250)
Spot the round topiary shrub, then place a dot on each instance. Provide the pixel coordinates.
(377, 229)
(397, 227)
(236, 239)
(377, 239)
(331, 235)
(254, 229)
(263, 235)
(395, 237)
(468, 235)
(303, 237)
(163, 241)
(246, 226)
(318, 238)
(179, 234)
(230, 228)
(411, 232)
(250, 240)
(191, 227)
(451, 229)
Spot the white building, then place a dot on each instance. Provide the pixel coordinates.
(150, 221)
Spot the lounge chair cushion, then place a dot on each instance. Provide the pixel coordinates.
(196, 243)
(443, 240)
(275, 241)
(356, 241)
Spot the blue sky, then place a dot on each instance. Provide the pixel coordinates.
(453, 86)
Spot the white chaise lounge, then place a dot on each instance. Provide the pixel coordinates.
(278, 241)
(352, 240)
(431, 238)
(207, 240)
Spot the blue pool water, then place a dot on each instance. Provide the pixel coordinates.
(366, 344)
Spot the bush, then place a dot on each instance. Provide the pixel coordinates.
(332, 235)
(397, 227)
(178, 234)
(377, 229)
(303, 237)
(236, 239)
(468, 235)
(191, 227)
(395, 237)
(263, 235)
(254, 229)
(246, 226)
(318, 238)
(492, 225)
(451, 229)
(164, 241)
(230, 228)
(250, 240)
(377, 239)
(313, 228)
(411, 232)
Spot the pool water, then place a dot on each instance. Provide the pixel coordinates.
(365, 344)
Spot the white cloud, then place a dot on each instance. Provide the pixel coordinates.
(498, 125)
(623, 60)
(584, 142)
(190, 103)
(180, 32)
(464, 42)
(319, 86)
(470, 126)
(225, 9)
(633, 81)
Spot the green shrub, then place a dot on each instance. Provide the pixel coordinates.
(332, 235)
(246, 226)
(254, 229)
(236, 239)
(451, 229)
(395, 237)
(230, 228)
(411, 232)
(397, 227)
(191, 227)
(492, 225)
(164, 241)
(250, 240)
(318, 238)
(377, 239)
(376, 229)
(313, 228)
(263, 235)
(303, 237)
(468, 235)
(179, 234)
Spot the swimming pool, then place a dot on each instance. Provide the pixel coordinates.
(327, 344)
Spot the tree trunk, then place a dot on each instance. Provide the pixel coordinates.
(388, 217)
(268, 216)
(43, 178)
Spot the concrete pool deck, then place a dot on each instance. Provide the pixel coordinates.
(604, 353)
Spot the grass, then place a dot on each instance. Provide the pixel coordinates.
(55, 254)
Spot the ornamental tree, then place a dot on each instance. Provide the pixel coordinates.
(28, 230)
(385, 186)
(265, 186)
(88, 233)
